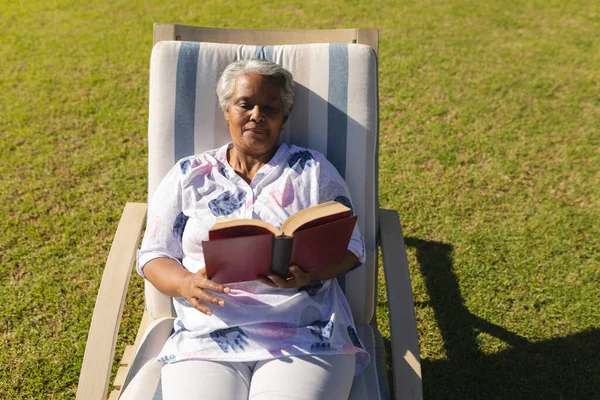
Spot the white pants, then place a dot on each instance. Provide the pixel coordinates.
(306, 377)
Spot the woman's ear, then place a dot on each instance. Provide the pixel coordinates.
(227, 117)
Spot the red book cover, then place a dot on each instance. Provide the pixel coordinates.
(238, 259)
(241, 253)
(322, 245)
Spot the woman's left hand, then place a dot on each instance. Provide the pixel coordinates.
(298, 279)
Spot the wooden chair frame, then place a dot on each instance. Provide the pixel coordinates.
(100, 348)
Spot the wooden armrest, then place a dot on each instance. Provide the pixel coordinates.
(102, 338)
(405, 346)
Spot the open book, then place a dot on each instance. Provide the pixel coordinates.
(239, 250)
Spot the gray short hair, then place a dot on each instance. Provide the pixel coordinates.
(282, 77)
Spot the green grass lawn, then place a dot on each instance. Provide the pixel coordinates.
(490, 151)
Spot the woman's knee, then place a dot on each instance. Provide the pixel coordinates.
(199, 379)
(304, 377)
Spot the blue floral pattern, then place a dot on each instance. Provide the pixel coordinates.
(179, 225)
(320, 346)
(166, 358)
(226, 203)
(180, 327)
(233, 338)
(299, 160)
(258, 322)
(322, 330)
(185, 166)
(354, 337)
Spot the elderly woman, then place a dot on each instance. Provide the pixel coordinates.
(271, 338)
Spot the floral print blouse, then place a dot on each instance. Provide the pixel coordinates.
(258, 322)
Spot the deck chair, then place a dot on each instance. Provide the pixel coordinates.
(336, 113)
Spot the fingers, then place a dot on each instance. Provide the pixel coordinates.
(302, 277)
(200, 298)
(280, 282)
(299, 278)
(214, 286)
(207, 284)
(198, 305)
(266, 281)
(276, 281)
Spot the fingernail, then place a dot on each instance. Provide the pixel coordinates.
(221, 303)
(294, 268)
(209, 313)
(226, 290)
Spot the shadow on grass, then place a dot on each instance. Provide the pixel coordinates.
(560, 368)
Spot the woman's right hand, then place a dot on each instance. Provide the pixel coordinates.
(172, 279)
(195, 289)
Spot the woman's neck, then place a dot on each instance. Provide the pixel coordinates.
(246, 166)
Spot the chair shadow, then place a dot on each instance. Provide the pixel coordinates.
(559, 368)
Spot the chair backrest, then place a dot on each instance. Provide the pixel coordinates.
(260, 37)
(336, 113)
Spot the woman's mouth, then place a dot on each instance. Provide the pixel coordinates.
(258, 131)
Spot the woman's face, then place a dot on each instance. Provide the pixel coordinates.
(255, 114)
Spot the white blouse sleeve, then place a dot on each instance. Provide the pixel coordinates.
(166, 221)
(333, 187)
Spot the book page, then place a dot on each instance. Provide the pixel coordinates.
(242, 226)
(313, 213)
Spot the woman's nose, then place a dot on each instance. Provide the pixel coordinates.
(256, 114)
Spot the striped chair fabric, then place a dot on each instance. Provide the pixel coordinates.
(336, 113)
